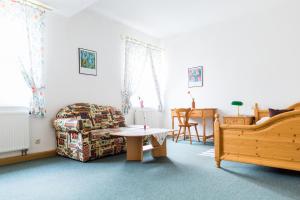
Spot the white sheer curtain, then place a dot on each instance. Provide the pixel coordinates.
(21, 56)
(157, 74)
(140, 79)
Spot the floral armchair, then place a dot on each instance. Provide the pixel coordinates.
(78, 132)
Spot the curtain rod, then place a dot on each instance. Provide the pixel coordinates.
(124, 37)
(35, 3)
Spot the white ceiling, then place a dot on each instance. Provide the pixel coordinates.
(162, 18)
(68, 7)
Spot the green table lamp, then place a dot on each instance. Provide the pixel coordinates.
(238, 104)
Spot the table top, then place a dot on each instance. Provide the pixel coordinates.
(136, 131)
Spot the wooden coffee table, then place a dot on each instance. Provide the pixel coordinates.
(135, 140)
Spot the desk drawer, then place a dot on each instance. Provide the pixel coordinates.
(196, 113)
(239, 120)
(234, 121)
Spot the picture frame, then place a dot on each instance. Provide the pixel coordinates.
(87, 62)
(195, 76)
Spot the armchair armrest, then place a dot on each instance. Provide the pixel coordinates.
(71, 124)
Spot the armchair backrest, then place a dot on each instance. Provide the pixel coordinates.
(100, 116)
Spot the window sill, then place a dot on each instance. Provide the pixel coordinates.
(13, 109)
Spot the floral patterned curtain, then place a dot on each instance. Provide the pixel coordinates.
(29, 21)
(155, 59)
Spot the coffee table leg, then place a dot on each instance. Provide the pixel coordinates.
(158, 150)
(135, 148)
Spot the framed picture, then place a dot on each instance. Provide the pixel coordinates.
(87, 62)
(195, 76)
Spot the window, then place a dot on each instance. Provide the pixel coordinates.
(13, 88)
(146, 88)
(21, 56)
(143, 76)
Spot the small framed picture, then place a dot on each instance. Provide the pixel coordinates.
(87, 62)
(195, 76)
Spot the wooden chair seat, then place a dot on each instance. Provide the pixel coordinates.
(189, 124)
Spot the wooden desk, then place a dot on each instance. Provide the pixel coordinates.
(199, 113)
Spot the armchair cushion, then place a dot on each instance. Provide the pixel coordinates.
(118, 118)
(101, 117)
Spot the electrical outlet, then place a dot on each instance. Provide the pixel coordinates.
(37, 141)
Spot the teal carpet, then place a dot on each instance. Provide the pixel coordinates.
(183, 175)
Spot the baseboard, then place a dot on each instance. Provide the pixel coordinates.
(28, 157)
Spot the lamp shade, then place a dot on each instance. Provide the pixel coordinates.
(237, 103)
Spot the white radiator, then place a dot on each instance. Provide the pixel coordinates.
(14, 129)
(153, 118)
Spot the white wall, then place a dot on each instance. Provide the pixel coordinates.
(253, 59)
(64, 84)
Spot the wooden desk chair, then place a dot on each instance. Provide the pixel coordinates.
(183, 116)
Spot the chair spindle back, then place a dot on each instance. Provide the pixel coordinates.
(183, 115)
